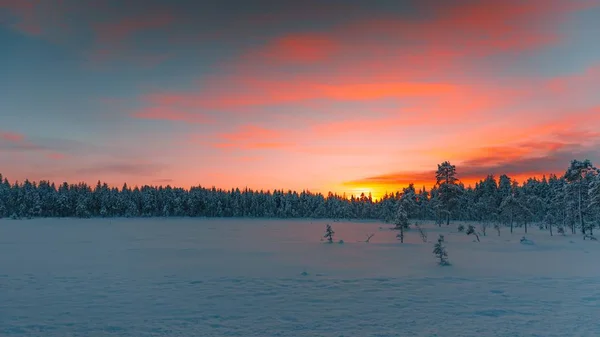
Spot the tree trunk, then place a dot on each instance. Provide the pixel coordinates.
(511, 222)
(448, 218)
(580, 211)
(525, 227)
(550, 229)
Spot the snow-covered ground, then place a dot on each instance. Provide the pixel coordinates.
(249, 277)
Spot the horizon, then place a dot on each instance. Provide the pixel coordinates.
(346, 97)
(344, 195)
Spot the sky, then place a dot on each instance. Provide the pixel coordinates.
(341, 95)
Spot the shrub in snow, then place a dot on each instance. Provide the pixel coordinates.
(484, 227)
(471, 231)
(329, 233)
(526, 241)
(14, 216)
(461, 228)
(369, 236)
(560, 230)
(497, 228)
(440, 251)
(341, 242)
(590, 236)
(422, 233)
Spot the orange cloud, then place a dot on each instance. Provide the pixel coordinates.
(543, 150)
(387, 57)
(250, 137)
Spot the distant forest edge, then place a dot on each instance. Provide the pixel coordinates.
(569, 201)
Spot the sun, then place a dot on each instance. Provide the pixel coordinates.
(357, 191)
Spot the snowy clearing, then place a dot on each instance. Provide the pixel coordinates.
(256, 277)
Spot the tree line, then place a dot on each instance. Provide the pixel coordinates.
(569, 201)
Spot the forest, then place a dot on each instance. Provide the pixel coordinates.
(568, 202)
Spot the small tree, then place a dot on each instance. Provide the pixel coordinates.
(369, 236)
(484, 226)
(329, 233)
(440, 251)
(422, 233)
(497, 228)
(471, 231)
(401, 222)
(461, 228)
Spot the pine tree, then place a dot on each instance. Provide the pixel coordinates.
(329, 233)
(511, 207)
(576, 174)
(440, 251)
(448, 190)
(401, 222)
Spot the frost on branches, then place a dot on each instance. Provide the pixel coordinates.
(401, 222)
(440, 251)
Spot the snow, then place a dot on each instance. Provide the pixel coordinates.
(257, 277)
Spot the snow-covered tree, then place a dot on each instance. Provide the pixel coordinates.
(594, 201)
(448, 189)
(401, 222)
(578, 174)
(440, 251)
(512, 208)
(329, 233)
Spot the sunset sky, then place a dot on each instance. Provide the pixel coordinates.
(344, 96)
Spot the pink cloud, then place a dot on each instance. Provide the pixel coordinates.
(12, 137)
(296, 49)
(117, 32)
(57, 156)
(169, 114)
(380, 58)
(250, 137)
(26, 12)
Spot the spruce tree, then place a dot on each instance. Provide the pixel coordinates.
(401, 222)
(448, 190)
(576, 174)
(440, 251)
(329, 233)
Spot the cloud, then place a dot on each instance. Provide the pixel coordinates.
(169, 114)
(115, 39)
(56, 156)
(121, 168)
(390, 56)
(532, 157)
(12, 137)
(250, 137)
(12, 141)
(295, 48)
